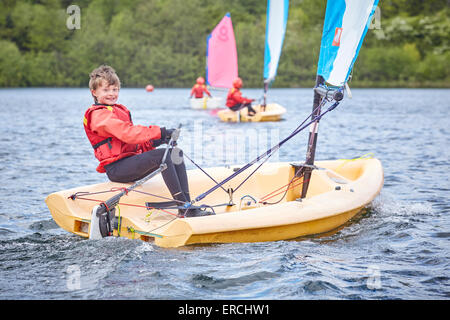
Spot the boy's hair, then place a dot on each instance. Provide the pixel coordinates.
(101, 73)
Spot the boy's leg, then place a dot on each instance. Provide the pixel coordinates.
(251, 111)
(175, 176)
(137, 167)
(180, 169)
(236, 107)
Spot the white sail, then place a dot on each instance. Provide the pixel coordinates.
(277, 15)
(344, 29)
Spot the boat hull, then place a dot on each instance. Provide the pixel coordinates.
(336, 193)
(206, 103)
(273, 112)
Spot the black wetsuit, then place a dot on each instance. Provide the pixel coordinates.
(136, 167)
(240, 106)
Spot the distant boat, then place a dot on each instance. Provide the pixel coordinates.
(221, 63)
(276, 21)
(206, 103)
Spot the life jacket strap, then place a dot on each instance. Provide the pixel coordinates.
(107, 140)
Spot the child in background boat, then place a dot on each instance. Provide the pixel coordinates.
(126, 151)
(199, 88)
(235, 100)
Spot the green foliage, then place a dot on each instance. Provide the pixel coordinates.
(163, 42)
(431, 33)
(402, 62)
(392, 8)
(435, 67)
(10, 64)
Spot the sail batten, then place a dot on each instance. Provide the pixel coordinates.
(221, 55)
(277, 15)
(346, 24)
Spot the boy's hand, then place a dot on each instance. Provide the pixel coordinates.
(166, 134)
(169, 135)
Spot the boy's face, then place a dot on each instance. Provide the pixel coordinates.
(106, 93)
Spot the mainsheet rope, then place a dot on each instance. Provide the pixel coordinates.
(265, 154)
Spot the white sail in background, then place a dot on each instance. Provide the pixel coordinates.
(277, 15)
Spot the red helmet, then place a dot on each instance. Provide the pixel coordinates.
(237, 83)
(200, 80)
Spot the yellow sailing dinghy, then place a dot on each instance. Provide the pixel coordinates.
(337, 191)
(276, 201)
(271, 112)
(206, 103)
(276, 21)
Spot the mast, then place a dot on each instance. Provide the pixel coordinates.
(266, 88)
(312, 138)
(344, 29)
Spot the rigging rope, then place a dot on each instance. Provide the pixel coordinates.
(273, 149)
(75, 196)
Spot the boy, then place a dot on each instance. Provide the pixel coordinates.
(198, 89)
(126, 151)
(235, 100)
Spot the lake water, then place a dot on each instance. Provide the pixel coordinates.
(398, 249)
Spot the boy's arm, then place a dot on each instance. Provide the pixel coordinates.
(239, 98)
(106, 124)
(192, 91)
(206, 91)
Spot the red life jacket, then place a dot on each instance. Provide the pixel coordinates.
(110, 149)
(198, 90)
(235, 97)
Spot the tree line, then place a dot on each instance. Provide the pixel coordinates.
(163, 42)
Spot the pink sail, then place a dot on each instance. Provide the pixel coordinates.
(221, 55)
